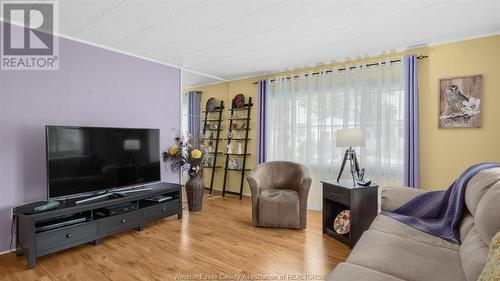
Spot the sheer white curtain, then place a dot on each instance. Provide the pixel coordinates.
(304, 113)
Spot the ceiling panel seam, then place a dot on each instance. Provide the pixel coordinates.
(99, 15)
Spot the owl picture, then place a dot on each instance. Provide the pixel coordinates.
(460, 102)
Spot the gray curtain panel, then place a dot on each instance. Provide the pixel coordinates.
(261, 130)
(411, 136)
(194, 111)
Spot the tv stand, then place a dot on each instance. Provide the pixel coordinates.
(74, 224)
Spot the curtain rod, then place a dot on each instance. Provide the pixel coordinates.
(343, 69)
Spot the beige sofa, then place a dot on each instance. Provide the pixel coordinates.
(392, 251)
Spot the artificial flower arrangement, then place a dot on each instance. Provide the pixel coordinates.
(186, 156)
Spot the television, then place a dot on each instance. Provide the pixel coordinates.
(86, 160)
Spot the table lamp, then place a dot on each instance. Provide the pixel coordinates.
(350, 138)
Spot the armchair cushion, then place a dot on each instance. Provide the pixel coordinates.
(279, 208)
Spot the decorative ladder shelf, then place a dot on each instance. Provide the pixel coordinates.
(213, 165)
(246, 108)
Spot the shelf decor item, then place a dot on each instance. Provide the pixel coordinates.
(239, 101)
(233, 164)
(460, 102)
(342, 222)
(189, 157)
(211, 105)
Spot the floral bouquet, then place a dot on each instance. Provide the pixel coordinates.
(186, 156)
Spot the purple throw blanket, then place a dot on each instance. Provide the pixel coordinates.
(439, 212)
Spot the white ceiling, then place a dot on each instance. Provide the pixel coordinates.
(230, 39)
(191, 79)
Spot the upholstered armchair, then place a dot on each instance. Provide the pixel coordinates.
(279, 194)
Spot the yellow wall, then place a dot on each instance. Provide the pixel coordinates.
(226, 92)
(444, 153)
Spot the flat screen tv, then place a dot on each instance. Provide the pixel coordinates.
(84, 160)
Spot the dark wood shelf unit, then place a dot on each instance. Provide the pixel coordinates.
(247, 107)
(219, 110)
(361, 201)
(34, 239)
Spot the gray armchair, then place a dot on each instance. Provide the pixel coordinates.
(279, 194)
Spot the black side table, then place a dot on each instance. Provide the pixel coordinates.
(362, 201)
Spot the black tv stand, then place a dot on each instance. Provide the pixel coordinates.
(73, 224)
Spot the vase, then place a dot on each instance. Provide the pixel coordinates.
(195, 189)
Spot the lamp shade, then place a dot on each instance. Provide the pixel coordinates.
(350, 137)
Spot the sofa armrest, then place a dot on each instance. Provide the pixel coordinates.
(395, 197)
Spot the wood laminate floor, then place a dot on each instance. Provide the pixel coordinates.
(218, 242)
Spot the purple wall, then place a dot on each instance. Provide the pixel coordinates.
(93, 87)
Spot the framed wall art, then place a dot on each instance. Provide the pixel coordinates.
(460, 102)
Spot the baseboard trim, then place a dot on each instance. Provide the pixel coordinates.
(5, 252)
(220, 190)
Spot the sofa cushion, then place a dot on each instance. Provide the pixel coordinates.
(279, 208)
(478, 186)
(476, 230)
(405, 258)
(391, 226)
(396, 196)
(466, 224)
(487, 217)
(351, 272)
(473, 254)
